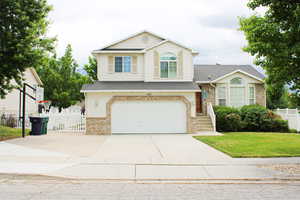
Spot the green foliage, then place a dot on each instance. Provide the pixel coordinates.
(227, 118)
(294, 100)
(23, 44)
(248, 118)
(256, 117)
(277, 96)
(274, 40)
(62, 82)
(293, 131)
(91, 68)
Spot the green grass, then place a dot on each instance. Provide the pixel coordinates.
(7, 133)
(249, 145)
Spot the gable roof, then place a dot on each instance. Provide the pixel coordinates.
(212, 73)
(164, 40)
(171, 41)
(106, 47)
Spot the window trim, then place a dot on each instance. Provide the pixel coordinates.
(123, 64)
(217, 95)
(254, 95)
(168, 62)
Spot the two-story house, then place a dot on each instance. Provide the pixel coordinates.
(148, 84)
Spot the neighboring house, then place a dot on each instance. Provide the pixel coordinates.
(148, 84)
(10, 104)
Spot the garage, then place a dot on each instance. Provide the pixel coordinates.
(129, 117)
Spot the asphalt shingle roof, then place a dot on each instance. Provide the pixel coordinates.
(203, 72)
(140, 85)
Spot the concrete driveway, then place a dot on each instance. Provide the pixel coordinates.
(125, 149)
(156, 149)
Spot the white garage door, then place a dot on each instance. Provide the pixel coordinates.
(148, 117)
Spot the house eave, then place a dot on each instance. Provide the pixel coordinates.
(141, 91)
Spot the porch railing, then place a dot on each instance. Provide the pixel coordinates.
(211, 114)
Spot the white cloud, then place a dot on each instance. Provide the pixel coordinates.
(208, 26)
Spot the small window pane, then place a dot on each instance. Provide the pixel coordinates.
(251, 92)
(173, 69)
(164, 69)
(251, 101)
(222, 102)
(118, 64)
(236, 81)
(221, 92)
(127, 63)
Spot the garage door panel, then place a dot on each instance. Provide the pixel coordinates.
(148, 117)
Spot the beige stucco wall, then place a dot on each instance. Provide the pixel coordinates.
(105, 75)
(142, 41)
(260, 94)
(187, 62)
(10, 104)
(95, 103)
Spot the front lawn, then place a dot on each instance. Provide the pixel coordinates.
(247, 144)
(7, 133)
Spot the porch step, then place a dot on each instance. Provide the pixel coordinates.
(202, 123)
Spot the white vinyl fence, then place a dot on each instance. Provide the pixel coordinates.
(65, 122)
(69, 120)
(292, 116)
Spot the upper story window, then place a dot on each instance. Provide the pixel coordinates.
(168, 65)
(236, 81)
(122, 63)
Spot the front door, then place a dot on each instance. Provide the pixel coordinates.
(198, 102)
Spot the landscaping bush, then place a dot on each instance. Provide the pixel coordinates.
(293, 131)
(227, 119)
(249, 118)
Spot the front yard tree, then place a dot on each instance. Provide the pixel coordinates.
(62, 81)
(274, 40)
(91, 68)
(23, 25)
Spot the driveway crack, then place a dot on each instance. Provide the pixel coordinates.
(157, 148)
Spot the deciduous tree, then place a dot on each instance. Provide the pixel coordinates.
(23, 41)
(274, 40)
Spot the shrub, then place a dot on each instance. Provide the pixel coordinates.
(227, 118)
(256, 118)
(249, 118)
(293, 131)
(279, 125)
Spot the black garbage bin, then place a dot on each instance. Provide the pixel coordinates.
(38, 125)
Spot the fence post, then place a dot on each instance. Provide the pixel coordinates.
(297, 120)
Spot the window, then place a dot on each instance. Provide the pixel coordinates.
(236, 81)
(168, 66)
(221, 96)
(251, 95)
(123, 64)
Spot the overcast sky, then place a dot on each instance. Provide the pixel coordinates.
(208, 26)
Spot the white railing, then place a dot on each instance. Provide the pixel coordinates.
(292, 116)
(211, 114)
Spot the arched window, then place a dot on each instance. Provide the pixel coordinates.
(236, 81)
(168, 65)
